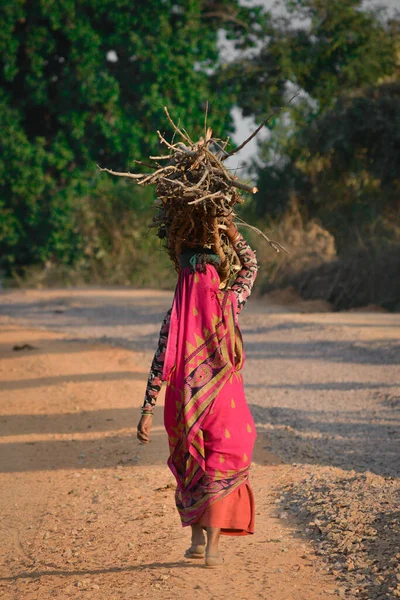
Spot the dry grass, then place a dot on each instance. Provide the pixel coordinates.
(120, 251)
(309, 245)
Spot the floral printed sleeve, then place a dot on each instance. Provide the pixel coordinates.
(154, 382)
(247, 275)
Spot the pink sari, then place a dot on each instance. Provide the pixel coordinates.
(210, 429)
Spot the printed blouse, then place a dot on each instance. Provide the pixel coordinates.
(242, 287)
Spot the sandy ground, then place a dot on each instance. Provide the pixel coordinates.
(88, 512)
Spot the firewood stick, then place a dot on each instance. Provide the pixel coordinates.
(185, 137)
(243, 186)
(120, 174)
(156, 173)
(218, 193)
(259, 128)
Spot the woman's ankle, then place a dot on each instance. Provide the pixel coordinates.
(213, 534)
(198, 538)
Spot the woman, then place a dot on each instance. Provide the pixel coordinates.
(210, 429)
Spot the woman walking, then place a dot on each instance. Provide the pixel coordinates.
(210, 429)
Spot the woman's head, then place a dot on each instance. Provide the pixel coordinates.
(197, 258)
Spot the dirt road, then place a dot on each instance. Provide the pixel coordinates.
(87, 512)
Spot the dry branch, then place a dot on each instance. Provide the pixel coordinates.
(196, 192)
(258, 129)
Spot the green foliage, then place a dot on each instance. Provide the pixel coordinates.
(84, 82)
(344, 167)
(65, 104)
(336, 151)
(115, 243)
(334, 47)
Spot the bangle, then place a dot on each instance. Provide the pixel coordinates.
(235, 238)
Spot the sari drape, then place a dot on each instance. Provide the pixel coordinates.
(210, 429)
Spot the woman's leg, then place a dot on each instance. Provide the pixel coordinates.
(198, 538)
(213, 534)
(197, 549)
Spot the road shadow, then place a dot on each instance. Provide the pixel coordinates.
(39, 382)
(377, 352)
(104, 571)
(116, 446)
(101, 310)
(343, 386)
(86, 421)
(107, 452)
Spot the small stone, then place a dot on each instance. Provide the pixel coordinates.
(350, 564)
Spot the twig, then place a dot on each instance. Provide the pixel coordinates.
(120, 174)
(243, 186)
(205, 198)
(275, 245)
(165, 170)
(185, 137)
(164, 141)
(139, 162)
(205, 121)
(259, 128)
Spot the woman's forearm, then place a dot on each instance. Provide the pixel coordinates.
(246, 277)
(154, 381)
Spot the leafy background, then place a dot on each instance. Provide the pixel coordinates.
(83, 82)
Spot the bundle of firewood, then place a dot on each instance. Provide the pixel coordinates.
(195, 195)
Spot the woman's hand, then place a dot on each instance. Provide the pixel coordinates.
(143, 428)
(232, 230)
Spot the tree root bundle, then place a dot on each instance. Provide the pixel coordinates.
(195, 195)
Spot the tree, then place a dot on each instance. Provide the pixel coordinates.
(83, 82)
(348, 164)
(337, 149)
(320, 47)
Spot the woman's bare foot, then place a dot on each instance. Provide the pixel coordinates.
(198, 547)
(214, 561)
